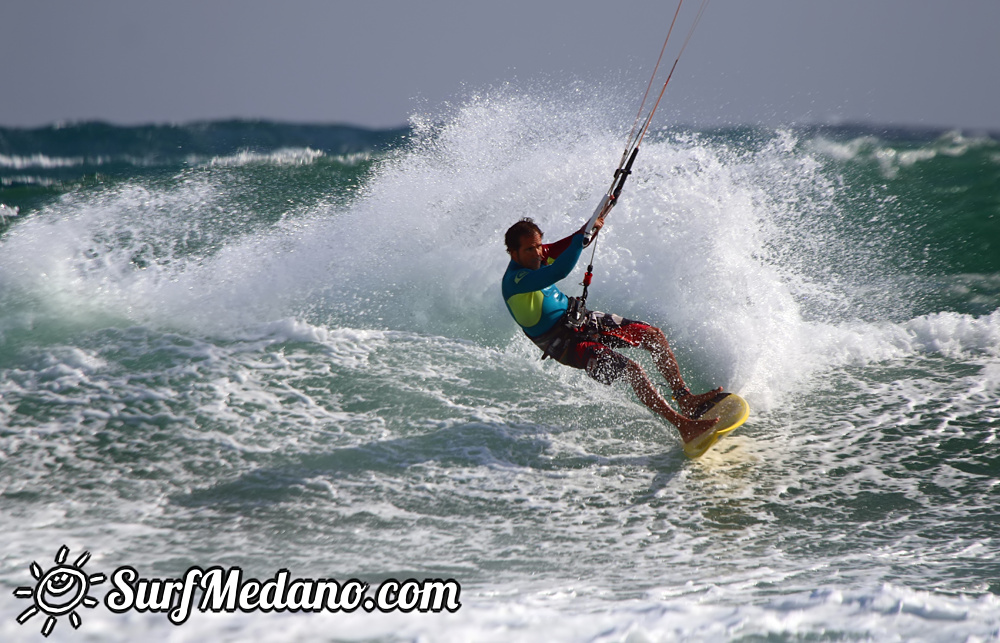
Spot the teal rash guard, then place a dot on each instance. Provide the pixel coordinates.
(531, 295)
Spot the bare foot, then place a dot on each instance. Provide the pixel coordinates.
(693, 429)
(689, 404)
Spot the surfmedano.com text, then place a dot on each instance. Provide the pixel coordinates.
(226, 590)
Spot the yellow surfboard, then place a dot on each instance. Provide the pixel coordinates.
(732, 411)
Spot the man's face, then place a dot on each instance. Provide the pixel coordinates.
(529, 254)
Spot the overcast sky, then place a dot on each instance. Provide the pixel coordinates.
(374, 62)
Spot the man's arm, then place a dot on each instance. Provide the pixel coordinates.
(553, 250)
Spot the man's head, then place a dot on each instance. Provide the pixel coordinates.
(524, 243)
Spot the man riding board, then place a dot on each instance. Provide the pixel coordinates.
(540, 308)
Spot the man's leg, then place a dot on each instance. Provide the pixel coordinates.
(648, 395)
(656, 343)
(606, 366)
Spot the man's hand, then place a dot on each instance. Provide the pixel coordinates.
(598, 220)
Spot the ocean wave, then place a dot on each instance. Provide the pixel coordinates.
(947, 334)
(954, 335)
(741, 255)
(24, 179)
(892, 156)
(284, 156)
(43, 161)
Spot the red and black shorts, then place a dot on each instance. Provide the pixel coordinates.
(591, 346)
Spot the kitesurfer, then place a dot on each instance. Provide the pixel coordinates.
(587, 339)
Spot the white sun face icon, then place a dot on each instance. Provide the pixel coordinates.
(59, 591)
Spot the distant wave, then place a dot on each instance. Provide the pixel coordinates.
(96, 140)
(50, 160)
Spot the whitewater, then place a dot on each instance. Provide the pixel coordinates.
(294, 357)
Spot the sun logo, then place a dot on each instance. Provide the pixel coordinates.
(59, 591)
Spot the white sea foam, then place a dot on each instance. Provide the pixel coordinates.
(27, 180)
(8, 212)
(891, 159)
(17, 162)
(568, 615)
(843, 151)
(285, 156)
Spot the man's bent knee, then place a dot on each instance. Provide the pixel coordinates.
(653, 336)
(633, 371)
(608, 366)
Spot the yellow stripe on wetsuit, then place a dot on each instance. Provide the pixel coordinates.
(527, 307)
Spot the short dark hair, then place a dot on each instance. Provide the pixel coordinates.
(518, 231)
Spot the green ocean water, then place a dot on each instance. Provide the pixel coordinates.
(283, 346)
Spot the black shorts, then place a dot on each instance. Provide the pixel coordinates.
(591, 346)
